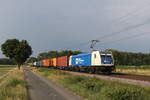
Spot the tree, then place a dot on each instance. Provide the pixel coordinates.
(130, 58)
(16, 50)
(53, 54)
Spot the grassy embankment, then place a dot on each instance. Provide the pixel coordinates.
(12, 84)
(140, 70)
(96, 89)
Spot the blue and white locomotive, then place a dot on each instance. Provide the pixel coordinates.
(94, 61)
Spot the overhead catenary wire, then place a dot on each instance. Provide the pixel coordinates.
(126, 38)
(79, 45)
(129, 27)
(124, 30)
(124, 20)
(129, 14)
(119, 32)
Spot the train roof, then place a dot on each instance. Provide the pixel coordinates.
(82, 54)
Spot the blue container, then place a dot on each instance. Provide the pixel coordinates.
(81, 60)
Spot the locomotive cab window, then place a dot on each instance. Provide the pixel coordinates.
(106, 59)
(94, 55)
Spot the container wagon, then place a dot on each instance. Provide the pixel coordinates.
(47, 62)
(62, 62)
(54, 62)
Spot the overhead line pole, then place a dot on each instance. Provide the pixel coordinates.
(93, 43)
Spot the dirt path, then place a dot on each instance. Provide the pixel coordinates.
(42, 89)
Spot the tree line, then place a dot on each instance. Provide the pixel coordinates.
(130, 58)
(54, 54)
(6, 61)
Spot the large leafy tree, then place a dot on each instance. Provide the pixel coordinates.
(16, 50)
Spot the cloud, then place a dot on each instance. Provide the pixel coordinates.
(59, 24)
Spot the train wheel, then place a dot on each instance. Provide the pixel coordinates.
(92, 70)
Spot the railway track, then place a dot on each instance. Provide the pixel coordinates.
(131, 76)
(125, 78)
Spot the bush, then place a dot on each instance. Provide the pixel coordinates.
(74, 80)
(14, 82)
(109, 93)
(92, 85)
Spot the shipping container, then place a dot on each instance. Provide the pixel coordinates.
(46, 62)
(81, 59)
(70, 61)
(62, 61)
(54, 62)
(50, 62)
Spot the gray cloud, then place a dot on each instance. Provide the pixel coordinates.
(60, 24)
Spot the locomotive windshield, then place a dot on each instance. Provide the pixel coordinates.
(106, 59)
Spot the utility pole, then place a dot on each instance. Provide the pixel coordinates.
(93, 43)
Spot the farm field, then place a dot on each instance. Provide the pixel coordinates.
(5, 69)
(96, 89)
(12, 86)
(139, 70)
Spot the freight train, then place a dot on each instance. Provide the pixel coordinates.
(96, 61)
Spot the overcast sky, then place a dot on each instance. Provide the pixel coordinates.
(68, 24)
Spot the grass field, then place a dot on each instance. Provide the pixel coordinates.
(5, 69)
(133, 67)
(139, 70)
(96, 89)
(12, 86)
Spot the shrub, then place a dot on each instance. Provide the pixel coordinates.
(92, 85)
(14, 82)
(122, 94)
(74, 80)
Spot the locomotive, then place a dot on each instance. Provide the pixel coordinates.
(96, 61)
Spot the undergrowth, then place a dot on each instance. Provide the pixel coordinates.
(96, 89)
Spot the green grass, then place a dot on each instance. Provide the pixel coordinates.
(13, 86)
(139, 70)
(133, 67)
(7, 66)
(96, 89)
